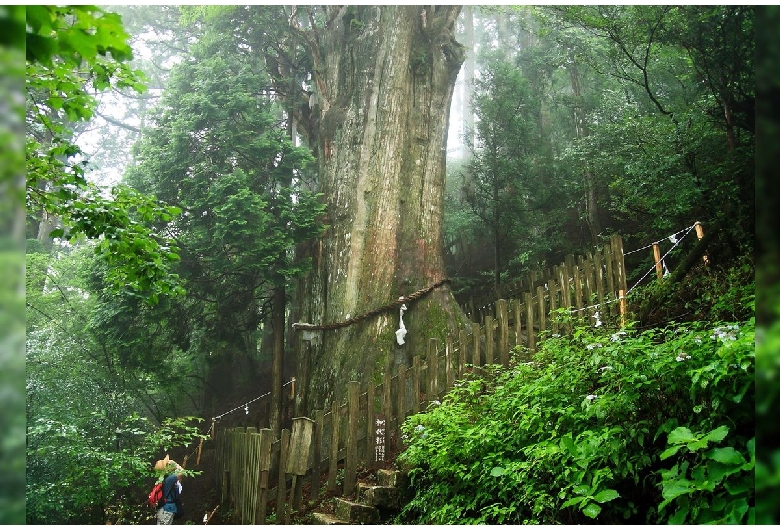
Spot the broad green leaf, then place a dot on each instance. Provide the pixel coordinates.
(670, 451)
(681, 435)
(606, 496)
(497, 472)
(592, 510)
(726, 455)
(717, 435)
(679, 516)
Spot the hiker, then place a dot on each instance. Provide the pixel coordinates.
(171, 491)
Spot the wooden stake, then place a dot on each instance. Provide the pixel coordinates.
(657, 255)
(623, 307)
(700, 235)
(200, 450)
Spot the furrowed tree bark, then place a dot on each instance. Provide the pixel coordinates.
(384, 77)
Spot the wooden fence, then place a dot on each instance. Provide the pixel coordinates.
(362, 428)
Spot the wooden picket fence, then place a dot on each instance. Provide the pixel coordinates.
(362, 430)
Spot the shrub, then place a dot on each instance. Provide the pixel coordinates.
(615, 426)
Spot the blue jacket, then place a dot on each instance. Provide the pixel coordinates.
(170, 493)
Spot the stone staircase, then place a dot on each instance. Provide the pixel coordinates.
(373, 503)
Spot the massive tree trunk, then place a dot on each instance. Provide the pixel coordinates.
(384, 78)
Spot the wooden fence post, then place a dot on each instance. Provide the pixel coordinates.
(529, 322)
(542, 308)
(488, 339)
(564, 273)
(577, 290)
(657, 257)
(387, 410)
(281, 488)
(265, 438)
(623, 308)
(432, 390)
(553, 290)
(401, 396)
(620, 266)
(463, 338)
(416, 366)
(700, 235)
(297, 460)
(609, 261)
(518, 310)
(599, 271)
(370, 446)
(587, 275)
(502, 311)
(449, 368)
(333, 461)
(353, 415)
(475, 345)
(316, 466)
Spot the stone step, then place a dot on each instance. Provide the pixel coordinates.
(382, 497)
(387, 477)
(327, 518)
(355, 512)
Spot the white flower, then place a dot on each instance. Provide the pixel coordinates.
(616, 336)
(682, 357)
(594, 345)
(605, 368)
(598, 320)
(591, 397)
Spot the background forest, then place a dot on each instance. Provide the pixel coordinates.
(168, 188)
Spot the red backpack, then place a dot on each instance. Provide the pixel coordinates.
(156, 495)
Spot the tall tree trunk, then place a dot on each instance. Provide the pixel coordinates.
(469, 71)
(592, 213)
(384, 77)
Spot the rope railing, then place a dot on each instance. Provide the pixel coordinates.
(354, 320)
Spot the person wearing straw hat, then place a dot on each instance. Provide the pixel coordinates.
(173, 474)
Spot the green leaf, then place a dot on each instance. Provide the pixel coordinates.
(606, 496)
(679, 516)
(592, 510)
(572, 502)
(681, 435)
(717, 435)
(726, 455)
(497, 472)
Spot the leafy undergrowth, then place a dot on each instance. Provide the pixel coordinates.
(606, 427)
